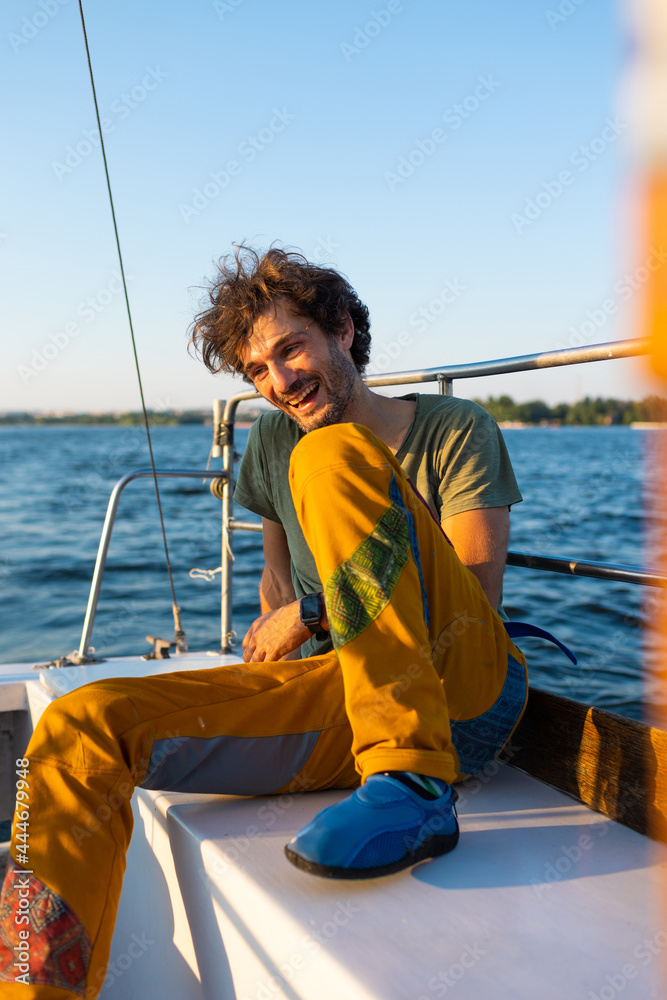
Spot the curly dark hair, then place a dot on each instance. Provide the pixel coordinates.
(248, 284)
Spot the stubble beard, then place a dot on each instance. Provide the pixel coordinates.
(340, 384)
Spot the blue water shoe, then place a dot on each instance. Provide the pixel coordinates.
(383, 827)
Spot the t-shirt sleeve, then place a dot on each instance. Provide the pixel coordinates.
(253, 484)
(476, 471)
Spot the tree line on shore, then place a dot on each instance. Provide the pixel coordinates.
(585, 412)
(133, 418)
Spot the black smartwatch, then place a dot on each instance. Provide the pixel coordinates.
(310, 614)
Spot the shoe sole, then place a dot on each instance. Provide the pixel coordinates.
(432, 848)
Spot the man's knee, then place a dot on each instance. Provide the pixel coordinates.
(93, 708)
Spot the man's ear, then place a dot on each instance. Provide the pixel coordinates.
(346, 335)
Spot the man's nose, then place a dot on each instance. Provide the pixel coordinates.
(283, 377)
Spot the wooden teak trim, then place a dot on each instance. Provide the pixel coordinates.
(614, 765)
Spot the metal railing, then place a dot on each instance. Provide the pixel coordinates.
(224, 419)
(592, 570)
(105, 538)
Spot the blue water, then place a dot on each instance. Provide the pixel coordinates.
(582, 491)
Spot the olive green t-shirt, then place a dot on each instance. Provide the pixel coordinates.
(453, 452)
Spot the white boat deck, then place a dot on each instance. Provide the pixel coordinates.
(541, 899)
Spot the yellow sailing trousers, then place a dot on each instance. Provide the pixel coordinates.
(423, 679)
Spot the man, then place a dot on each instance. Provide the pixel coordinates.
(300, 334)
(421, 687)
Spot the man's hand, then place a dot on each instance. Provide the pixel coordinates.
(276, 634)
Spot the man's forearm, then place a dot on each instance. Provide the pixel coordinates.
(491, 581)
(272, 593)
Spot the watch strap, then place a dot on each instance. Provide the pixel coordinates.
(310, 612)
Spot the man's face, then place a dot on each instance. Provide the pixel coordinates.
(295, 366)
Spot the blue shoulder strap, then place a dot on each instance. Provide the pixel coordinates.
(516, 630)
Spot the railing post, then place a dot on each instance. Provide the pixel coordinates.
(84, 650)
(83, 654)
(226, 442)
(445, 385)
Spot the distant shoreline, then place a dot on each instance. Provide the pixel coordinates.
(246, 424)
(648, 413)
(635, 425)
(170, 419)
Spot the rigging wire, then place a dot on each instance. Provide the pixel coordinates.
(180, 637)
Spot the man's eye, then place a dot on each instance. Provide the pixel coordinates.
(258, 374)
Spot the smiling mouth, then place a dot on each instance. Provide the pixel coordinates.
(304, 397)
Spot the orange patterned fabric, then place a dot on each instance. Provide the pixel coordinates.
(56, 943)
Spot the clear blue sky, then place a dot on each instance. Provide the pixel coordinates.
(317, 105)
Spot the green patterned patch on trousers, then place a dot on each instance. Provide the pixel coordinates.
(359, 589)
